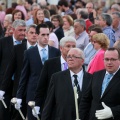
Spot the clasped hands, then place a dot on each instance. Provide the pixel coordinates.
(104, 113)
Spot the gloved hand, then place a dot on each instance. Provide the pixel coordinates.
(1, 94)
(18, 104)
(104, 113)
(35, 111)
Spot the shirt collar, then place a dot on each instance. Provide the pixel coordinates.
(14, 39)
(112, 73)
(78, 74)
(29, 45)
(40, 48)
(62, 60)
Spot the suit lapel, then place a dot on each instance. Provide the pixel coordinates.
(58, 63)
(10, 43)
(99, 81)
(85, 81)
(37, 55)
(68, 82)
(113, 81)
(49, 52)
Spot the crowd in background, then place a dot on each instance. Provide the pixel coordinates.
(92, 29)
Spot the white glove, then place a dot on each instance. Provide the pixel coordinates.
(18, 104)
(104, 113)
(35, 111)
(1, 94)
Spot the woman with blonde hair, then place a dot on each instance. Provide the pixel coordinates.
(101, 43)
(68, 25)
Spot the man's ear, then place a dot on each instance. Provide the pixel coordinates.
(61, 48)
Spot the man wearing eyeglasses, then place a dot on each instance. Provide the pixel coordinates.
(60, 103)
(102, 98)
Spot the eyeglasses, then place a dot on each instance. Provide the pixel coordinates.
(111, 60)
(73, 57)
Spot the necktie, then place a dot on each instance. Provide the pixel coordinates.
(44, 55)
(106, 82)
(17, 42)
(76, 83)
(65, 65)
(31, 47)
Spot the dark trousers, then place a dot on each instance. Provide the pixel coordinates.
(5, 113)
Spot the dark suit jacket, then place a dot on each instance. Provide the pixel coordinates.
(14, 67)
(6, 53)
(59, 33)
(51, 66)
(32, 66)
(92, 99)
(60, 97)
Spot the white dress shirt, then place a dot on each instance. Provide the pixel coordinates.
(79, 78)
(40, 50)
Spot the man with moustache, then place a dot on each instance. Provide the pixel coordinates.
(6, 53)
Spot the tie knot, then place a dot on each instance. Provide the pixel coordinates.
(109, 76)
(75, 76)
(31, 46)
(17, 42)
(65, 65)
(43, 49)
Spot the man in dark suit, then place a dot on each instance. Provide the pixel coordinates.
(52, 66)
(60, 103)
(32, 66)
(102, 98)
(6, 53)
(15, 67)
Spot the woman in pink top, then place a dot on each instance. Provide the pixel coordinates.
(100, 43)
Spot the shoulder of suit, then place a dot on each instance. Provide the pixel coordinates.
(52, 60)
(99, 72)
(60, 73)
(6, 38)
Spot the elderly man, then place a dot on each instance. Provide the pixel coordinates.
(105, 21)
(15, 67)
(116, 24)
(102, 98)
(91, 11)
(81, 35)
(6, 53)
(60, 102)
(50, 67)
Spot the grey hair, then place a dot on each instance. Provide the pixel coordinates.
(67, 39)
(35, 5)
(116, 7)
(79, 51)
(31, 26)
(9, 17)
(106, 17)
(81, 22)
(116, 13)
(18, 23)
